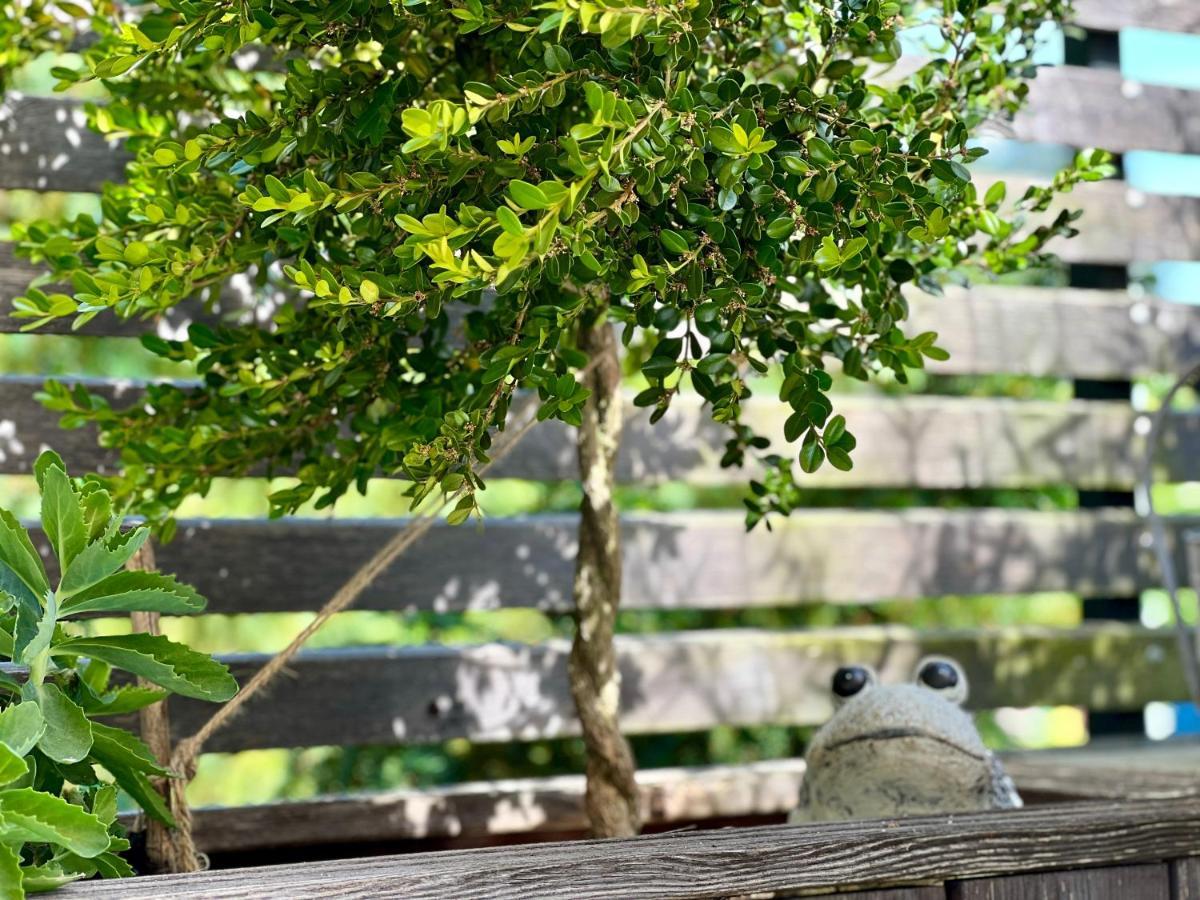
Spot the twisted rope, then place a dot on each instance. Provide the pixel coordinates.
(184, 855)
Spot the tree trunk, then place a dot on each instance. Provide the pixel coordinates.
(156, 732)
(612, 796)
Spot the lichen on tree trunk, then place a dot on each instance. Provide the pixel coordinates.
(612, 799)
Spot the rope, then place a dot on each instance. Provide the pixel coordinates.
(183, 760)
(1162, 549)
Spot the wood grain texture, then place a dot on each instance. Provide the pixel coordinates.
(1111, 768)
(1056, 331)
(686, 681)
(1185, 879)
(727, 862)
(929, 892)
(495, 808)
(1084, 107)
(45, 144)
(928, 442)
(1113, 15)
(1145, 882)
(693, 560)
(486, 810)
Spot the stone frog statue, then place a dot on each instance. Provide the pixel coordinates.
(900, 750)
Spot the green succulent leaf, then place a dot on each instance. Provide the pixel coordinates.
(62, 515)
(21, 560)
(12, 879)
(100, 559)
(12, 765)
(22, 726)
(29, 815)
(68, 734)
(158, 660)
(129, 591)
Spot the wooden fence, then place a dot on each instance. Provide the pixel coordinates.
(696, 680)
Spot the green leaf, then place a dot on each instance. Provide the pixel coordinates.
(36, 817)
(12, 765)
(100, 559)
(811, 455)
(820, 152)
(160, 661)
(35, 629)
(527, 196)
(509, 222)
(130, 591)
(834, 429)
(130, 762)
(62, 517)
(49, 877)
(828, 256)
(68, 735)
(22, 726)
(18, 554)
(673, 241)
(840, 459)
(781, 227)
(125, 699)
(723, 140)
(12, 880)
(47, 459)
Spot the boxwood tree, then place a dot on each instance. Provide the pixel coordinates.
(463, 198)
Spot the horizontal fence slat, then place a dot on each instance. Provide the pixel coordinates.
(508, 807)
(1002, 329)
(768, 861)
(46, 145)
(1065, 332)
(928, 442)
(1085, 107)
(475, 811)
(1113, 15)
(685, 681)
(1120, 224)
(693, 560)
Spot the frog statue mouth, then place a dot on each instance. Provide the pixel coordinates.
(888, 734)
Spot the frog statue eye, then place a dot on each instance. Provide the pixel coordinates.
(851, 680)
(937, 673)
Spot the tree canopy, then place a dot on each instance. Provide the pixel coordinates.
(444, 192)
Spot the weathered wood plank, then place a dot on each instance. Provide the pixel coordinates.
(742, 861)
(1145, 882)
(1113, 15)
(1111, 768)
(1121, 224)
(493, 809)
(929, 442)
(1085, 107)
(480, 811)
(45, 144)
(929, 892)
(686, 681)
(1185, 879)
(1057, 331)
(694, 560)
(1015, 330)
